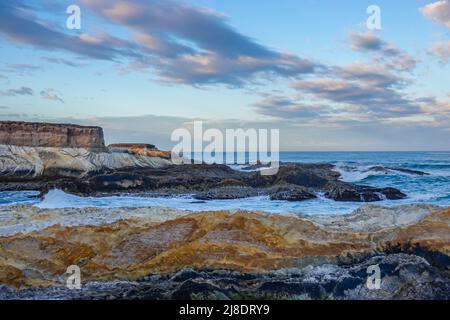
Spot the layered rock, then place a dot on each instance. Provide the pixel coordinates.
(37, 164)
(142, 149)
(162, 241)
(404, 276)
(34, 134)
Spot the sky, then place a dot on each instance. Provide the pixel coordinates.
(312, 69)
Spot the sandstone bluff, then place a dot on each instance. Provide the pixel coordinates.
(33, 134)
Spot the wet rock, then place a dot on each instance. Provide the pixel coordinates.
(388, 170)
(292, 193)
(190, 290)
(257, 166)
(227, 193)
(403, 277)
(341, 191)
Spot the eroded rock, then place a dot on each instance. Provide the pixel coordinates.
(144, 242)
(34, 134)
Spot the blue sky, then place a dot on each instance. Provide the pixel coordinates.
(142, 68)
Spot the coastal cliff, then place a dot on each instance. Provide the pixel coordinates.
(34, 134)
(42, 156)
(38, 165)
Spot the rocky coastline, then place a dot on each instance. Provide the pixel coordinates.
(157, 253)
(86, 173)
(154, 253)
(74, 159)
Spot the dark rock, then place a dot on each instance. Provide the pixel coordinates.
(341, 191)
(227, 193)
(292, 193)
(403, 277)
(258, 165)
(293, 182)
(185, 274)
(198, 290)
(387, 170)
(409, 171)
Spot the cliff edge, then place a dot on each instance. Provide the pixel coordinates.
(34, 134)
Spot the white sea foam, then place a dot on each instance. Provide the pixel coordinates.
(354, 167)
(357, 173)
(59, 199)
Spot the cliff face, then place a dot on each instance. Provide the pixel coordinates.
(33, 134)
(19, 163)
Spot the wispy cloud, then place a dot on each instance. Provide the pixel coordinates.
(285, 108)
(438, 12)
(197, 46)
(441, 50)
(382, 51)
(179, 43)
(52, 95)
(63, 61)
(22, 91)
(17, 25)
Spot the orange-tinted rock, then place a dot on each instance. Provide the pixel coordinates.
(140, 149)
(34, 134)
(135, 247)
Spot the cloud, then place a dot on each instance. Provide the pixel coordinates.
(374, 75)
(320, 136)
(285, 108)
(383, 51)
(22, 69)
(197, 46)
(17, 26)
(51, 94)
(368, 41)
(177, 42)
(363, 90)
(24, 66)
(438, 11)
(442, 51)
(371, 90)
(22, 91)
(4, 107)
(379, 101)
(63, 61)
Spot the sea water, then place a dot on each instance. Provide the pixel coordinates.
(355, 167)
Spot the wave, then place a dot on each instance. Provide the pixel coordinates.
(351, 173)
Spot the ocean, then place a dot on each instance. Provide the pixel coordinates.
(370, 168)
